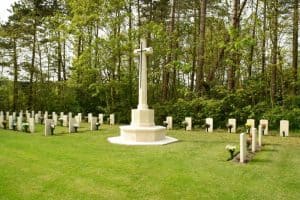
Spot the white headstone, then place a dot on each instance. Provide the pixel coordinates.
(266, 124)
(188, 120)
(284, 128)
(79, 117)
(31, 125)
(169, 122)
(61, 115)
(72, 123)
(7, 116)
(14, 116)
(77, 121)
(10, 122)
(112, 119)
(210, 122)
(253, 142)
(90, 116)
(36, 118)
(260, 135)
(243, 147)
(45, 116)
(232, 122)
(100, 118)
(1, 120)
(65, 120)
(55, 118)
(93, 124)
(19, 123)
(70, 115)
(48, 123)
(32, 114)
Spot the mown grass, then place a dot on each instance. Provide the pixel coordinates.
(85, 166)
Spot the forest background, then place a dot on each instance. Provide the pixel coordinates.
(218, 58)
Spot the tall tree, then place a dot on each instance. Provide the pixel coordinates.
(295, 44)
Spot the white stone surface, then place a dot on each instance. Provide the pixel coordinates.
(10, 122)
(284, 128)
(65, 120)
(266, 122)
(243, 147)
(210, 121)
(112, 119)
(70, 116)
(19, 123)
(251, 122)
(72, 123)
(142, 130)
(169, 121)
(79, 117)
(55, 118)
(36, 118)
(61, 115)
(31, 125)
(93, 124)
(260, 136)
(1, 120)
(253, 141)
(100, 117)
(188, 120)
(233, 123)
(90, 116)
(48, 127)
(14, 116)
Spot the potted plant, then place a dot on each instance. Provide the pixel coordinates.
(52, 127)
(4, 123)
(25, 126)
(229, 127)
(231, 150)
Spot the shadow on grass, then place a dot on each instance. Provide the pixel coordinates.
(261, 160)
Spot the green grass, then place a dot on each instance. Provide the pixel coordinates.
(85, 166)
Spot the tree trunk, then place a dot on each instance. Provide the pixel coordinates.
(32, 68)
(274, 39)
(16, 73)
(194, 52)
(295, 44)
(253, 38)
(201, 54)
(263, 49)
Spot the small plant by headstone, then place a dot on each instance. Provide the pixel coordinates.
(231, 150)
(41, 119)
(165, 123)
(248, 127)
(229, 126)
(52, 127)
(14, 125)
(25, 126)
(206, 125)
(61, 121)
(185, 124)
(4, 123)
(263, 128)
(76, 126)
(97, 125)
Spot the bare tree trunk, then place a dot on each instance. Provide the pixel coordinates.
(16, 73)
(263, 49)
(274, 51)
(166, 72)
(253, 38)
(200, 70)
(194, 52)
(295, 44)
(32, 68)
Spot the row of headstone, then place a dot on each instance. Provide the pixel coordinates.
(256, 143)
(101, 117)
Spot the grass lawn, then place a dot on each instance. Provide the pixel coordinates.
(85, 166)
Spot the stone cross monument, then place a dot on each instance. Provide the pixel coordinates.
(142, 130)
